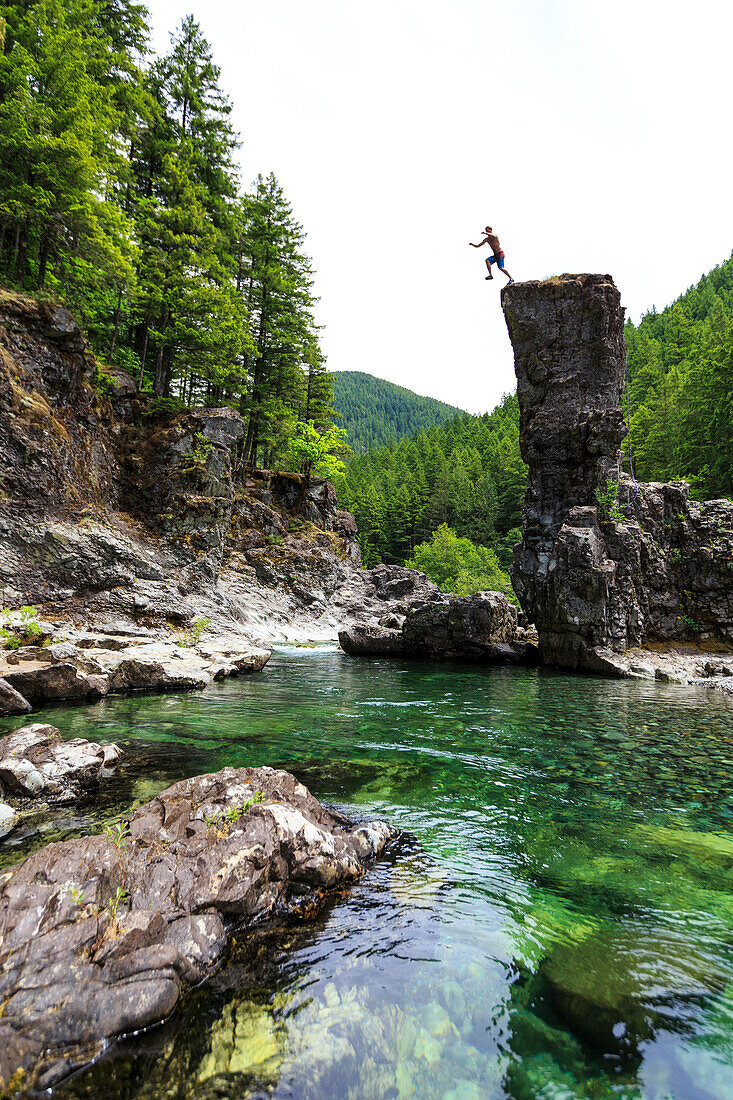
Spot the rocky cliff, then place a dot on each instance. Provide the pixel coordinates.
(128, 524)
(604, 566)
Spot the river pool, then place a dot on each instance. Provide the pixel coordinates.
(556, 921)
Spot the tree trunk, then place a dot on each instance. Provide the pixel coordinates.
(117, 323)
(161, 380)
(43, 254)
(143, 356)
(22, 258)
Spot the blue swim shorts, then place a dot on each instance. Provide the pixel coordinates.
(497, 260)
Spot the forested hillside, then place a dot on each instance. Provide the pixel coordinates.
(467, 474)
(374, 412)
(119, 196)
(681, 383)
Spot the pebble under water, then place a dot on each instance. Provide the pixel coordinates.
(555, 923)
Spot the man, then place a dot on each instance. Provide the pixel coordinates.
(497, 256)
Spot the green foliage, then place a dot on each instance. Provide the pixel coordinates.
(120, 897)
(681, 386)
(25, 631)
(163, 407)
(460, 566)
(192, 636)
(202, 448)
(236, 812)
(77, 895)
(103, 383)
(118, 833)
(119, 195)
(607, 499)
(467, 474)
(318, 451)
(374, 413)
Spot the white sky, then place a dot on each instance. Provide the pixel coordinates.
(592, 136)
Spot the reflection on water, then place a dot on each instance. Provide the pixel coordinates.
(557, 923)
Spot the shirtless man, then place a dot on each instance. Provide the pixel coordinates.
(497, 256)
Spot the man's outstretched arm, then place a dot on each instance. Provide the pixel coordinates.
(484, 241)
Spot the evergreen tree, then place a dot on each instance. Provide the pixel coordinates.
(285, 375)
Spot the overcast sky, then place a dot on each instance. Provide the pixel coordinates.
(592, 136)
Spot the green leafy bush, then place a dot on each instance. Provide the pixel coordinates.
(25, 630)
(460, 566)
(163, 407)
(103, 383)
(202, 448)
(192, 636)
(607, 499)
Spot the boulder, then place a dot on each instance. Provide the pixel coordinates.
(102, 935)
(482, 627)
(366, 640)
(11, 701)
(168, 666)
(602, 575)
(8, 819)
(35, 760)
(42, 677)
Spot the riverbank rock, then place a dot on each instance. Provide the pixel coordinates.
(35, 761)
(604, 565)
(11, 701)
(482, 627)
(42, 676)
(92, 664)
(102, 935)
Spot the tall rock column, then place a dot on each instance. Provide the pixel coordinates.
(597, 582)
(569, 355)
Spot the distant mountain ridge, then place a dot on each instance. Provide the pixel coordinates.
(374, 412)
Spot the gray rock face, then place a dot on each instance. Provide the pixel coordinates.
(103, 935)
(113, 510)
(35, 761)
(592, 584)
(483, 627)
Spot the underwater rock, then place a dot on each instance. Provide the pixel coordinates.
(35, 761)
(103, 934)
(601, 986)
(604, 565)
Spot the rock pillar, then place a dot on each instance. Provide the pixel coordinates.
(597, 582)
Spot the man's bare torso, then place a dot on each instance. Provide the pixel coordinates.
(494, 242)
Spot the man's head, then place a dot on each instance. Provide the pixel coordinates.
(488, 229)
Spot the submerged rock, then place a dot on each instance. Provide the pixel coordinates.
(603, 565)
(482, 627)
(102, 935)
(35, 761)
(601, 986)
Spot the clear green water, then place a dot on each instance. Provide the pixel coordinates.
(558, 922)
